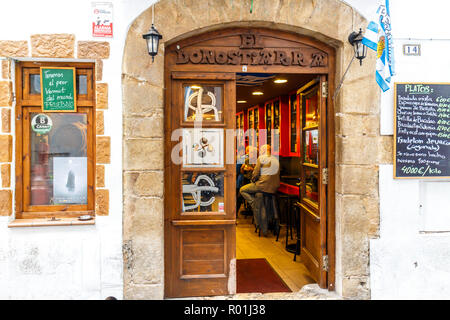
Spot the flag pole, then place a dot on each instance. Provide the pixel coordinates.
(342, 80)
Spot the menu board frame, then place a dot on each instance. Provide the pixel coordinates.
(395, 131)
(73, 87)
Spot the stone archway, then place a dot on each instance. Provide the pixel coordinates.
(357, 128)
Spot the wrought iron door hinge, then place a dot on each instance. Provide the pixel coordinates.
(325, 176)
(325, 89)
(325, 263)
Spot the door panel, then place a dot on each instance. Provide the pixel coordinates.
(200, 196)
(314, 187)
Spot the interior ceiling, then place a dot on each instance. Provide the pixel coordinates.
(270, 89)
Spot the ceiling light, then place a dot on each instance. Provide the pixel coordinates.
(257, 93)
(195, 87)
(280, 80)
(241, 101)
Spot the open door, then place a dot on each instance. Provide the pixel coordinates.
(199, 185)
(314, 180)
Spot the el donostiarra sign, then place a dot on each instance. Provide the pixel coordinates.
(252, 52)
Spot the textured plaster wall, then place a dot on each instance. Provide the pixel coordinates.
(357, 128)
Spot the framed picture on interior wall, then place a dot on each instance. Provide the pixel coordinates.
(203, 147)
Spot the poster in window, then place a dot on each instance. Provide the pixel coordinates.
(203, 147)
(70, 180)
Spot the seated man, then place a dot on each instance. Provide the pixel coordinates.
(265, 178)
(244, 173)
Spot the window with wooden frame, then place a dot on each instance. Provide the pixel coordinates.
(55, 166)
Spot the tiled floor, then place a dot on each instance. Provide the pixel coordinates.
(250, 246)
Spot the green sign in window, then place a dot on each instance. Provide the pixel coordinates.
(58, 89)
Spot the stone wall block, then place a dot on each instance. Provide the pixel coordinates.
(352, 179)
(103, 149)
(6, 175)
(143, 154)
(9, 48)
(385, 150)
(372, 207)
(5, 148)
(93, 50)
(98, 70)
(102, 95)
(148, 127)
(147, 216)
(356, 150)
(356, 287)
(355, 225)
(99, 123)
(100, 176)
(141, 98)
(357, 124)
(5, 202)
(5, 93)
(364, 100)
(144, 292)
(6, 120)
(226, 11)
(6, 69)
(102, 202)
(53, 45)
(149, 183)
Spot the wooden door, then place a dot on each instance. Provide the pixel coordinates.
(200, 186)
(314, 180)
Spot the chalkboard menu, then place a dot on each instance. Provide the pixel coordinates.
(422, 130)
(58, 89)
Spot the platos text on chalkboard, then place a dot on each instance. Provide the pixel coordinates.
(422, 130)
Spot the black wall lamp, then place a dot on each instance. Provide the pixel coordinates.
(355, 39)
(152, 37)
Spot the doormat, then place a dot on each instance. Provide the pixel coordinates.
(258, 276)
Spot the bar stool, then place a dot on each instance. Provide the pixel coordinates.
(268, 214)
(290, 221)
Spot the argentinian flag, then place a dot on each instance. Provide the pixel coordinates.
(378, 37)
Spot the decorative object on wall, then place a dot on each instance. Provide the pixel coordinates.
(200, 108)
(355, 39)
(102, 19)
(196, 191)
(41, 123)
(203, 147)
(152, 37)
(378, 37)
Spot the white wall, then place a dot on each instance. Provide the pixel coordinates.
(410, 259)
(82, 262)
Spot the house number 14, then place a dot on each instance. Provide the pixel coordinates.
(411, 49)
